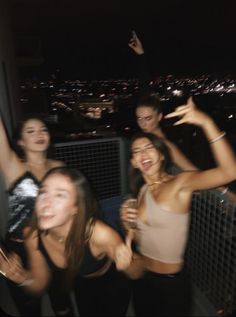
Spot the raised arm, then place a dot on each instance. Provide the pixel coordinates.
(176, 155)
(143, 74)
(8, 159)
(223, 153)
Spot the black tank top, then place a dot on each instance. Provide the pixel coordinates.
(21, 200)
(88, 265)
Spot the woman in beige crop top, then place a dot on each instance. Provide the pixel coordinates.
(164, 201)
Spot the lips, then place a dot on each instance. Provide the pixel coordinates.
(146, 164)
(40, 142)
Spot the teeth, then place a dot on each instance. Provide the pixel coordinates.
(146, 161)
(46, 214)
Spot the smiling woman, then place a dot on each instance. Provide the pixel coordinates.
(23, 170)
(163, 212)
(66, 238)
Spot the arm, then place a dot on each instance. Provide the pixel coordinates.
(177, 156)
(105, 240)
(225, 170)
(36, 278)
(8, 159)
(144, 77)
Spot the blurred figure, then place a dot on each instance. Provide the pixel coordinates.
(23, 168)
(148, 109)
(162, 216)
(67, 238)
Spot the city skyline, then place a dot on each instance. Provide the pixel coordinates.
(89, 39)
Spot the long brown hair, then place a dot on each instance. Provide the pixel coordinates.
(83, 220)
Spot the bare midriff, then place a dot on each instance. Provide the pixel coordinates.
(161, 267)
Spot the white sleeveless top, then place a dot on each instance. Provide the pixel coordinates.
(165, 236)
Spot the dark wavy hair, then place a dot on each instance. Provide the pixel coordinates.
(135, 176)
(17, 134)
(151, 101)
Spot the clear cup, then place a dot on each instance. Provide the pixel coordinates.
(131, 205)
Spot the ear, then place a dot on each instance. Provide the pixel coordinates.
(20, 143)
(75, 211)
(133, 163)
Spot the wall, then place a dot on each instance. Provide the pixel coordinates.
(8, 88)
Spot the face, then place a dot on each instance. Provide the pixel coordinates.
(56, 202)
(146, 157)
(147, 118)
(34, 136)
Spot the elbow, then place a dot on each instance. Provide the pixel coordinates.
(230, 175)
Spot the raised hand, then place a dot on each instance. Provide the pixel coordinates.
(136, 44)
(188, 114)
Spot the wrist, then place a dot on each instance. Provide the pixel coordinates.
(27, 281)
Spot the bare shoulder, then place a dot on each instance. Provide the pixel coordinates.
(31, 237)
(55, 163)
(103, 232)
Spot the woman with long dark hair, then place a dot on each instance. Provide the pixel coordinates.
(162, 215)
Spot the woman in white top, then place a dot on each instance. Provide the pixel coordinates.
(162, 215)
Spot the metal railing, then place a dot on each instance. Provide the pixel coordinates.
(103, 161)
(211, 252)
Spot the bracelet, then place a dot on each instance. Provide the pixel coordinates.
(224, 191)
(218, 137)
(26, 282)
(3, 273)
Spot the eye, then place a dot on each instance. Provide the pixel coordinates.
(42, 194)
(150, 147)
(44, 129)
(30, 131)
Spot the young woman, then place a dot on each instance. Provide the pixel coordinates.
(162, 215)
(68, 238)
(23, 168)
(149, 115)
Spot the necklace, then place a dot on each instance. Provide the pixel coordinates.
(59, 239)
(156, 182)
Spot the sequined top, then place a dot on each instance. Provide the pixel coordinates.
(21, 199)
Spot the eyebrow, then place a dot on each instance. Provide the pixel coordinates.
(145, 116)
(32, 127)
(57, 189)
(140, 146)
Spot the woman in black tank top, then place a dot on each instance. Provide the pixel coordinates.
(67, 237)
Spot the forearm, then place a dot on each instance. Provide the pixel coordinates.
(136, 268)
(179, 158)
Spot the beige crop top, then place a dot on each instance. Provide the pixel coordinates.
(164, 237)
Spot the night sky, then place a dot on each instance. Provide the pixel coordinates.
(88, 39)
